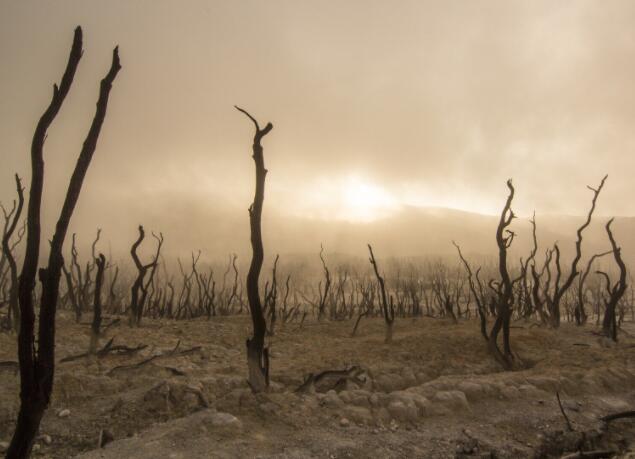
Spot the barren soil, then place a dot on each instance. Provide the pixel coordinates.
(432, 393)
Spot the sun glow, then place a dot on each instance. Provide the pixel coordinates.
(359, 199)
(350, 198)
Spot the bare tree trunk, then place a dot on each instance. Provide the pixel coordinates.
(11, 221)
(559, 292)
(257, 354)
(504, 238)
(139, 289)
(327, 285)
(37, 366)
(96, 325)
(609, 324)
(389, 313)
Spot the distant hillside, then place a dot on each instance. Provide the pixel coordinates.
(412, 232)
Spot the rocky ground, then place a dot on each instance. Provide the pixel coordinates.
(432, 393)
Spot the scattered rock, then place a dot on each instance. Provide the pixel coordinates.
(46, 439)
(390, 382)
(473, 391)
(344, 422)
(331, 399)
(571, 405)
(220, 419)
(4, 446)
(452, 399)
(64, 413)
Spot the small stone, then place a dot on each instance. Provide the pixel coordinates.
(219, 419)
(344, 422)
(64, 413)
(46, 439)
(4, 446)
(36, 447)
(331, 399)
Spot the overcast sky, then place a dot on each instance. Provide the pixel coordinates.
(375, 104)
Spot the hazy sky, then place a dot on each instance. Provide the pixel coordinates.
(375, 104)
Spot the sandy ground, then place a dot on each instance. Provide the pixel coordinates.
(434, 392)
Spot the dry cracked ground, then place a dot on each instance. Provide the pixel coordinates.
(178, 390)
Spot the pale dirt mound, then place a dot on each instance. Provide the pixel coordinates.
(433, 392)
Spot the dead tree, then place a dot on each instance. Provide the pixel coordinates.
(257, 354)
(553, 301)
(78, 280)
(271, 299)
(327, 286)
(100, 262)
(139, 290)
(615, 292)
(37, 362)
(580, 312)
(10, 222)
(504, 288)
(478, 295)
(154, 265)
(389, 310)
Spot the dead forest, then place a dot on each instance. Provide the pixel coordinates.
(100, 296)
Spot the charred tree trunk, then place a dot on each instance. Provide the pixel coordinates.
(560, 291)
(609, 324)
(504, 292)
(100, 262)
(389, 310)
(327, 286)
(257, 354)
(477, 297)
(139, 290)
(579, 313)
(273, 299)
(37, 365)
(11, 221)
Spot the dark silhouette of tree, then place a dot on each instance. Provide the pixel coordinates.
(10, 223)
(477, 294)
(615, 292)
(257, 354)
(139, 289)
(503, 288)
(580, 312)
(388, 310)
(37, 362)
(100, 262)
(323, 295)
(553, 301)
